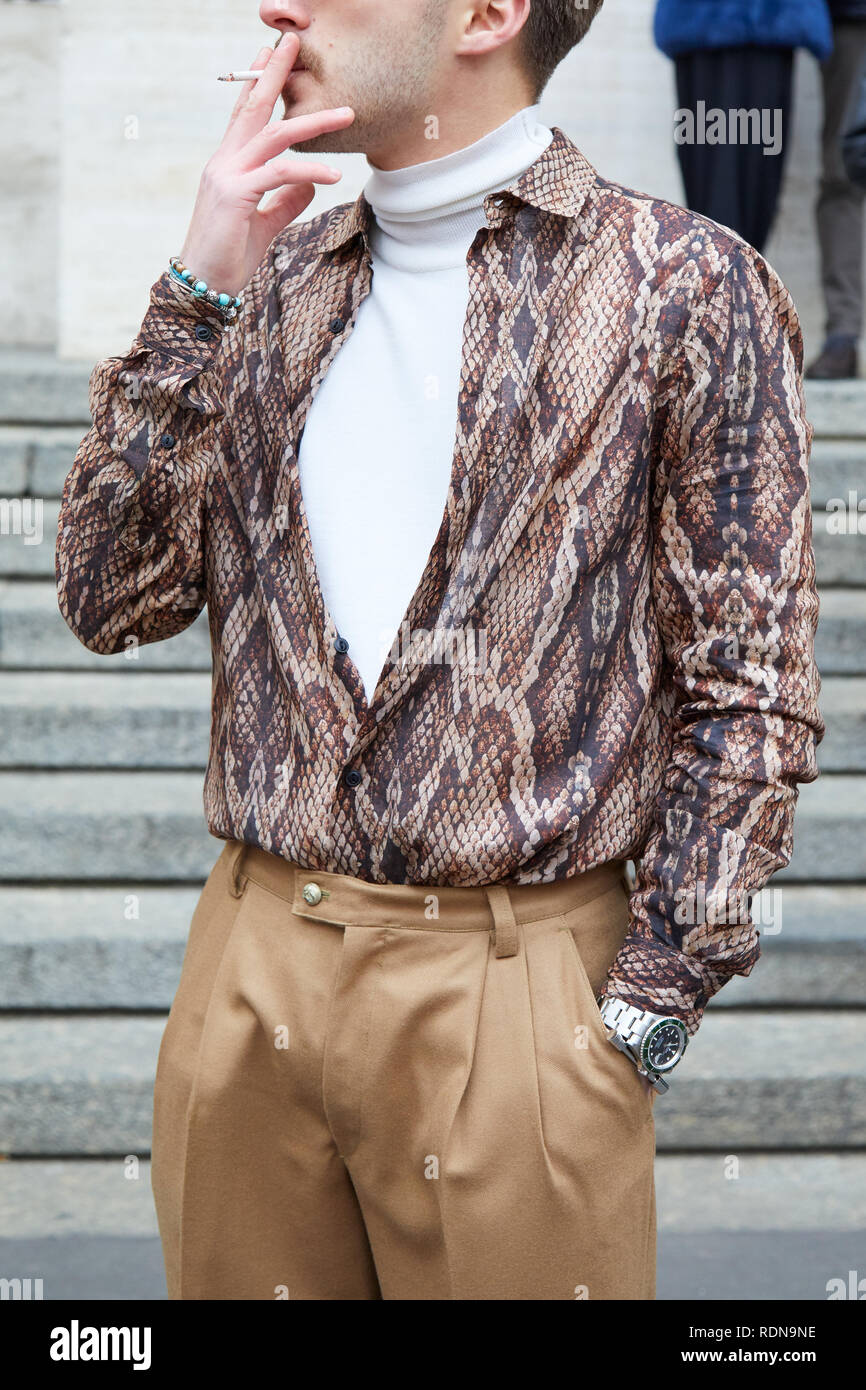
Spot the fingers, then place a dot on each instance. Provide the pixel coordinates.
(283, 208)
(277, 136)
(255, 106)
(289, 171)
(257, 64)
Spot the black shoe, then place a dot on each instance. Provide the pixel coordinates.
(836, 362)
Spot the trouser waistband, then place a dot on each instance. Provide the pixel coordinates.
(343, 900)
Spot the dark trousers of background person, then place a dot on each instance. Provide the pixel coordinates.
(840, 202)
(735, 184)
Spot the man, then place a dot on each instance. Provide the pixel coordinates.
(734, 70)
(839, 207)
(854, 140)
(547, 434)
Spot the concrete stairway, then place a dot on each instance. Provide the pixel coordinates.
(104, 851)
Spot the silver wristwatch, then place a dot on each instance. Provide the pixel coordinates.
(654, 1042)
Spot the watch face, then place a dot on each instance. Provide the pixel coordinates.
(664, 1044)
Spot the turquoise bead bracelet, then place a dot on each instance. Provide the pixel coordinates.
(227, 304)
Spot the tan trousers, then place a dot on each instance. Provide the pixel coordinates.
(400, 1093)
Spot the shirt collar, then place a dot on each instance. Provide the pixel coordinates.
(558, 181)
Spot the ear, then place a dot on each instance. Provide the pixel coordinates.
(490, 24)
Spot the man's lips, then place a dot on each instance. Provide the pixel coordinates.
(299, 67)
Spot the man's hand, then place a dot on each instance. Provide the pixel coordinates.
(229, 235)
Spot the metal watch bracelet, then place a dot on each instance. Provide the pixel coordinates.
(627, 1027)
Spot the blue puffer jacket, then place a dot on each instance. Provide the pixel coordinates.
(683, 26)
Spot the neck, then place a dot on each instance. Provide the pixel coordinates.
(427, 214)
(465, 123)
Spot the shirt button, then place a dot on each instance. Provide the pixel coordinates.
(337, 325)
(203, 332)
(168, 441)
(352, 778)
(341, 645)
(312, 894)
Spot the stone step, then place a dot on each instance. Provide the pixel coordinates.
(35, 460)
(28, 537)
(836, 468)
(104, 825)
(813, 949)
(33, 636)
(44, 401)
(767, 1226)
(761, 1192)
(83, 947)
(62, 1197)
(99, 825)
(28, 551)
(840, 559)
(39, 388)
(162, 720)
(843, 706)
(103, 719)
(121, 947)
(840, 643)
(836, 409)
(83, 1084)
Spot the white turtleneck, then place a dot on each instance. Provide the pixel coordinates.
(378, 444)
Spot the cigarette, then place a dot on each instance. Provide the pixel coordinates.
(241, 76)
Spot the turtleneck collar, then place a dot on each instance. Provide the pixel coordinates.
(427, 214)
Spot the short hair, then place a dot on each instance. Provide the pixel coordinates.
(552, 30)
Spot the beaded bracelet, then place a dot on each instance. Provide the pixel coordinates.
(227, 304)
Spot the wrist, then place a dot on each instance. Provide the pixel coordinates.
(179, 326)
(225, 303)
(220, 277)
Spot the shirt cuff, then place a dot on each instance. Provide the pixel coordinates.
(180, 325)
(652, 975)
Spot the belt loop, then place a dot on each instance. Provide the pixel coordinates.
(236, 856)
(504, 924)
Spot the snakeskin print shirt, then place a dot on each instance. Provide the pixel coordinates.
(609, 654)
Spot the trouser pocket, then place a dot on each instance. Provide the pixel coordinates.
(593, 934)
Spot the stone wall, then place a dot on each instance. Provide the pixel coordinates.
(30, 165)
(115, 108)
